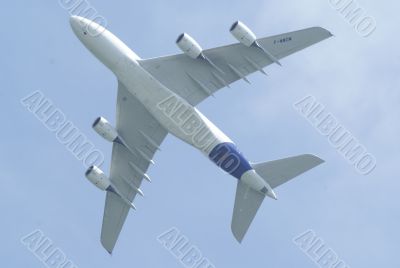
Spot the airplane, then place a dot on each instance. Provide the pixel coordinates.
(158, 96)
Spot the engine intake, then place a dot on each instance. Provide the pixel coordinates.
(243, 34)
(189, 46)
(105, 129)
(101, 181)
(98, 178)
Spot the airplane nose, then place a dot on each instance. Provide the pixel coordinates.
(84, 26)
(75, 22)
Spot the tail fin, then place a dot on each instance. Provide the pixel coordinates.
(275, 173)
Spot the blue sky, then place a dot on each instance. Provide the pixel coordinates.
(356, 78)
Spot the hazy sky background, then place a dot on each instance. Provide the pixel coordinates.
(356, 78)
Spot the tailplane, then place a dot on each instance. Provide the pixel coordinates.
(278, 172)
(275, 173)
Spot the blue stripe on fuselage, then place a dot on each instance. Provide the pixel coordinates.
(227, 157)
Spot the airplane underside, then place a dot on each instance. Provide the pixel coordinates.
(160, 96)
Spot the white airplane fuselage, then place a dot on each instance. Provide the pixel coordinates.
(173, 112)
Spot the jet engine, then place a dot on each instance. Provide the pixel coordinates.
(243, 34)
(101, 181)
(105, 129)
(189, 46)
(98, 178)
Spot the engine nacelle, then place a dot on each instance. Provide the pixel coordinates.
(98, 178)
(101, 181)
(105, 129)
(243, 34)
(189, 46)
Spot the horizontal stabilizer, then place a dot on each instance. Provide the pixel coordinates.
(247, 203)
(278, 172)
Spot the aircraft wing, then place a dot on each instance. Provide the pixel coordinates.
(195, 79)
(143, 134)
